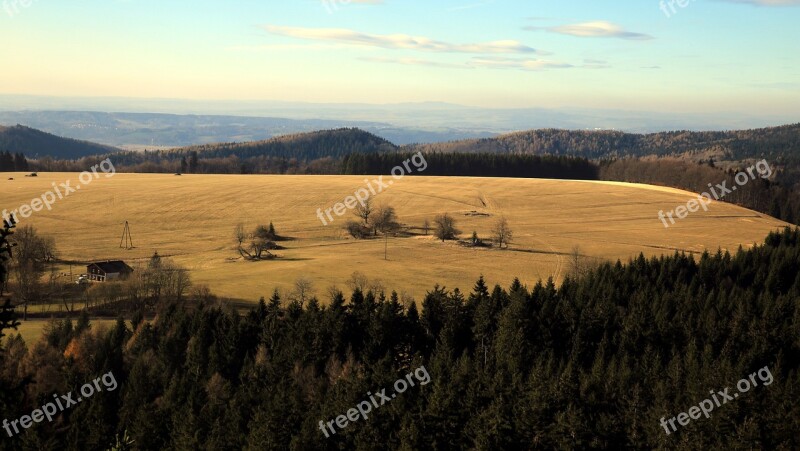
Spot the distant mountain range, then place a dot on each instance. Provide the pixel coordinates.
(137, 123)
(778, 144)
(138, 131)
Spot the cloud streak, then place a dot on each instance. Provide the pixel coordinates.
(399, 41)
(518, 63)
(413, 62)
(594, 29)
(488, 62)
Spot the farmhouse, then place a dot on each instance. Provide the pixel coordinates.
(107, 270)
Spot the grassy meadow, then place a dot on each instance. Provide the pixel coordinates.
(191, 219)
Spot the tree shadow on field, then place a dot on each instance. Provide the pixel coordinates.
(537, 251)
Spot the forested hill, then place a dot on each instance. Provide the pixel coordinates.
(306, 146)
(778, 144)
(36, 144)
(597, 363)
(772, 143)
(299, 147)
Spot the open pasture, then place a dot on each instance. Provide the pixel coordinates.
(191, 219)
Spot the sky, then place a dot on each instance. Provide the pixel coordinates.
(706, 56)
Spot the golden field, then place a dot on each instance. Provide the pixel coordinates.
(191, 219)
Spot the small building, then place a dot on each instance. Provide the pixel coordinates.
(108, 270)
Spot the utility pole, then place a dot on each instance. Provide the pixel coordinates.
(126, 238)
(385, 246)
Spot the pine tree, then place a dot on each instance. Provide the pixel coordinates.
(20, 163)
(193, 162)
(7, 314)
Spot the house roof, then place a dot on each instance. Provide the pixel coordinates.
(112, 266)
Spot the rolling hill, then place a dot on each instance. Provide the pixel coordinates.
(35, 143)
(770, 142)
(318, 144)
(322, 144)
(774, 143)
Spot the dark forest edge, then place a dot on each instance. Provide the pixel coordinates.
(594, 363)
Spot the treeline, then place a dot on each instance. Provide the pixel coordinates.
(13, 162)
(307, 153)
(152, 163)
(594, 364)
(450, 164)
(779, 145)
(762, 195)
(771, 142)
(473, 165)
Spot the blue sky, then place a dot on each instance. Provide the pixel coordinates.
(708, 56)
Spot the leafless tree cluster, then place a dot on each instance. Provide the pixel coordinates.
(579, 264)
(256, 245)
(359, 281)
(161, 281)
(372, 220)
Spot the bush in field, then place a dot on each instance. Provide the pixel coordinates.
(357, 230)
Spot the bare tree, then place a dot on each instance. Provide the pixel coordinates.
(358, 281)
(165, 280)
(376, 286)
(180, 282)
(426, 226)
(240, 234)
(333, 291)
(303, 290)
(578, 263)
(364, 211)
(385, 220)
(202, 293)
(445, 227)
(136, 287)
(31, 254)
(502, 232)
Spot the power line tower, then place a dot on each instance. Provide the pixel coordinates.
(126, 238)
